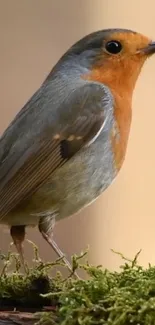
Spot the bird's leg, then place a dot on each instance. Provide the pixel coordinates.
(18, 235)
(46, 225)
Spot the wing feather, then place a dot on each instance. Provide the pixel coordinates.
(54, 146)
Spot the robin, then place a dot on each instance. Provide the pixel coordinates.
(68, 143)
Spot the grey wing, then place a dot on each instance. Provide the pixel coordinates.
(76, 122)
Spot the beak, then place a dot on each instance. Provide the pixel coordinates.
(148, 50)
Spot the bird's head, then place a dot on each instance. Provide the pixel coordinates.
(115, 56)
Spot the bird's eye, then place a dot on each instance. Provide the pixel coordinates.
(113, 47)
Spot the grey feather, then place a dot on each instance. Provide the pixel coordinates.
(65, 104)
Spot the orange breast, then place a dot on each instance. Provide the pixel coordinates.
(122, 94)
(122, 114)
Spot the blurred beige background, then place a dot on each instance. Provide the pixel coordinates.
(33, 36)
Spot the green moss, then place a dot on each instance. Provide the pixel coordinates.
(23, 291)
(117, 298)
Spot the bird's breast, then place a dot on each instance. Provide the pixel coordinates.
(121, 91)
(121, 129)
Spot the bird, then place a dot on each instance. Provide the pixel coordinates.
(67, 144)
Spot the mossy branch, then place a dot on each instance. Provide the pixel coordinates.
(111, 298)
